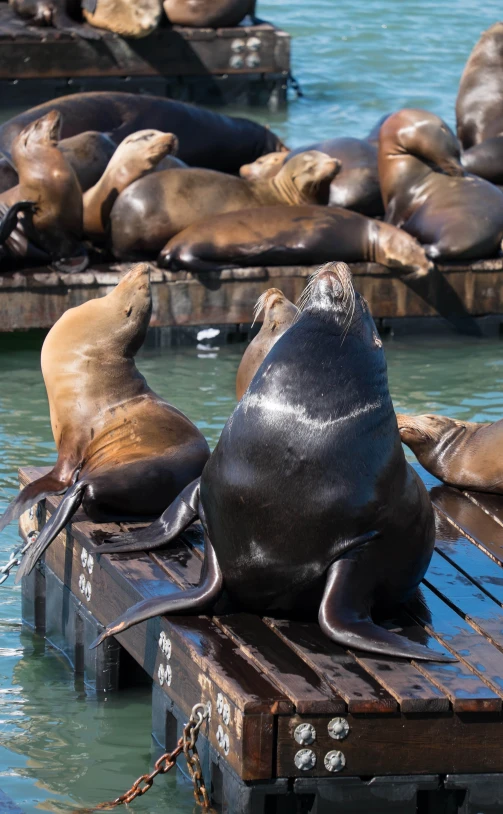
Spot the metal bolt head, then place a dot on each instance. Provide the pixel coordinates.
(254, 44)
(220, 703)
(168, 674)
(253, 61)
(87, 590)
(90, 563)
(226, 745)
(237, 46)
(305, 759)
(335, 761)
(82, 583)
(236, 61)
(338, 728)
(166, 649)
(226, 714)
(160, 674)
(83, 557)
(305, 734)
(162, 639)
(220, 735)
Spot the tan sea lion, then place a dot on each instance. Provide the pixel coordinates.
(208, 13)
(460, 453)
(137, 155)
(152, 210)
(289, 236)
(266, 166)
(123, 17)
(122, 450)
(426, 192)
(279, 313)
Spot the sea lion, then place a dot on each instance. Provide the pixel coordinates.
(53, 13)
(47, 180)
(8, 175)
(207, 139)
(137, 155)
(150, 211)
(356, 185)
(127, 19)
(425, 190)
(208, 13)
(373, 136)
(121, 448)
(307, 502)
(292, 236)
(88, 153)
(460, 453)
(479, 107)
(170, 162)
(279, 313)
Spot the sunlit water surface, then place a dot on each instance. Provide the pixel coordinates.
(59, 746)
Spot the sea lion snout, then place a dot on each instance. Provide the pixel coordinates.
(46, 129)
(423, 428)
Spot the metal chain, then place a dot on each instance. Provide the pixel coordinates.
(16, 556)
(187, 745)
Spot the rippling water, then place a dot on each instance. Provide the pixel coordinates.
(59, 746)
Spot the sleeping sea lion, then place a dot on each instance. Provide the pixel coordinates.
(290, 236)
(150, 211)
(121, 448)
(125, 18)
(137, 155)
(208, 13)
(460, 453)
(88, 153)
(53, 13)
(279, 313)
(425, 191)
(307, 502)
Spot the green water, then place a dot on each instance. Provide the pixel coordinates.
(60, 746)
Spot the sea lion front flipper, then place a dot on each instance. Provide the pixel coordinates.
(179, 514)
(56, 522)
(9, 219)
(344, 616)
(199, 599)
(35, 491)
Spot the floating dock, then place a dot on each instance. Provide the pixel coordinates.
(298, 723)
(462, 294)
(248, 64)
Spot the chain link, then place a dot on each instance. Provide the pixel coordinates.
(16, 556)
(187, 745)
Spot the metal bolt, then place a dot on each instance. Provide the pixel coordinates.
(90, 563)
(220, 735)
(160, 674)
(88, 590)
(162, 639)
(166, 649)
(335, 761)
(237, 46)
(304, 734)
(236, 61)
(254, 44)
(220, 703)
(83, 557)
(82, 583)
(168, 674)
(253, 61)
(226, 744)
(305, 759)
(338, 728)
(226, 714)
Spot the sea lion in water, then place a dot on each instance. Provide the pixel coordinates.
(460, 453)
(307, 501)
(207, 139)
(279, 313)
(290, 236)
(125, 18)
(479, 107)
(150, 211)
(426, 192)
(137, 155)
(121, 448)
(208, 13)
(356, 185)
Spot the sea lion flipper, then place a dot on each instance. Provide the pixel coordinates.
(9, 220)
(35, 491)
(179, 514)
(198, 599)
(350, 625)
(59, 519)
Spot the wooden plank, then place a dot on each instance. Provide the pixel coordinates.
(180, 563)
(336, 666)
(282, 666)
(470, 520)
(490, 504)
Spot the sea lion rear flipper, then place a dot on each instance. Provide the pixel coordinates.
(345, 618)
(179, 514)
(199, 599)
(39, 489)
(59, 519)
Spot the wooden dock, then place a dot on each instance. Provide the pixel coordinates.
(246, 64)
(298, 723)
(460, 293)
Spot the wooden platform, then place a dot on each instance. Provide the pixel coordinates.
(459, 293)
(375, 724)
(167, 61)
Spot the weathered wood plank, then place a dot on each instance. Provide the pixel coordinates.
(470, 520)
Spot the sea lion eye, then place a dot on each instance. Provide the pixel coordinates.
(129, 310)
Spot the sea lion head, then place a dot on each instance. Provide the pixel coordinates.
(423, 135)
(306, 178)
(267, 166)
(278, 310)
(44, 132)
(422, 433)
(151, 145)
(129, 308)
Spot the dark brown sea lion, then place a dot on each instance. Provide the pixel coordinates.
(53, 13)
(479, 107)
(121, 448)
(426, 192)
(127, 19)
(88, 153)
(150, 211)
(279, 313)
(208, 13)
(296, 235)
(307, 502)
(460, 453)
(136, 156)
(8, 175)
(207, 139)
